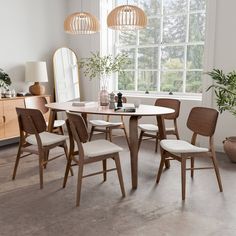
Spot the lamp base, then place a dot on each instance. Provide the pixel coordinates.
(37, 89)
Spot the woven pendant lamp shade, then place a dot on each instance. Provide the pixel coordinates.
(81, 23)
(127, 17)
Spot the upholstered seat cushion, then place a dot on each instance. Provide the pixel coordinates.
(152, 128)
(58, 123)
(46, 138)
(103, 123)
(180, 146)
(100, 147)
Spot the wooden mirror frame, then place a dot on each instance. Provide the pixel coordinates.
(65, 68)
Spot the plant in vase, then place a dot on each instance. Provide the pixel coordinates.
(225, 92)
(102, 67)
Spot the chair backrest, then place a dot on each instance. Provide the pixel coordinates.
(202, 120)
(78, 127)
(170, 103)
(36, 103)
(31, 121)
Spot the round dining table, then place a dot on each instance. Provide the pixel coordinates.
(142, 110)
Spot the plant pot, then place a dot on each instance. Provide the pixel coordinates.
(230, 148)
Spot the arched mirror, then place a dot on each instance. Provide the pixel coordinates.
(66, 75)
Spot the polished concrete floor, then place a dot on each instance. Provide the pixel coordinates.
(150, 210)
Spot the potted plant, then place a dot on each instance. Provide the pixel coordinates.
(5, 80)
(102, 67)
(225, 92)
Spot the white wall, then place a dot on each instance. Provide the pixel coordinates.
(30, 30)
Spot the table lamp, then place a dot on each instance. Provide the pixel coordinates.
(36, 71)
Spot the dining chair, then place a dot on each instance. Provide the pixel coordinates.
(152, 131)
(34, 139)
(202, 122)
(89, 152)
(37, 102)
(106, 126)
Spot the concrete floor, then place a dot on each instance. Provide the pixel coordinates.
(150, 210)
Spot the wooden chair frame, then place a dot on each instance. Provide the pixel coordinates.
(37, 102)
(202, 122)
(77, 131)
(108, 130)
(165, 102)
(31, 122)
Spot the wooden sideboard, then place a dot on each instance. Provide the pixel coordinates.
(8, 118)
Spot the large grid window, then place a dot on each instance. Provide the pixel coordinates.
(166, 56)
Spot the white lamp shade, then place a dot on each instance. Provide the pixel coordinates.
(36, 71)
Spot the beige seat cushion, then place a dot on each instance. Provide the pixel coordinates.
(152, 128)
(46, 138)
(58, 123)
(103, 123)
(100, 147)
(180, 146)
(148, 127)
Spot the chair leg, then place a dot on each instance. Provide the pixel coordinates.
(79, 183)
(140, 139)
(104, 165)
(126, 136)
(110, 134)
(17, 162)
(156, 144)
(61, 130)
(183, 177)
(161, 166)
(68, 166)
(91, 133)
(46, 158)
(119, 173)
(192, 166)
(41, 166)
(67, 157)
(217, 172)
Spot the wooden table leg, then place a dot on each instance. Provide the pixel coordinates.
(133, 137)
(52, 117)
(162, 135)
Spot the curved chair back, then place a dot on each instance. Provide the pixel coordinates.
(170, 103)
(202, 120)
(36, 103)
(78, 127)
(31, 121)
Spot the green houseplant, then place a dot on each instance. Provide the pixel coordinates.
(102, 67)
(5, 80)
(225, 92)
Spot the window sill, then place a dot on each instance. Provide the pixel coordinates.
(160, 95)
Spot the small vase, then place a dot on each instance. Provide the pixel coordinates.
(103, 97)
(230, 148)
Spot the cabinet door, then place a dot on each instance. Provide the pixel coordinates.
(1, 121)
(11, 122)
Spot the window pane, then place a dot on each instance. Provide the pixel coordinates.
(124, 2)
(174, 29)
(195, 57)
(196, 27)
(147, 81)
(147, 58)
(127, 37)
(151, 7)
(172, 81)
(174, 6)
(131, 56)
(172, 57)
(151, 34)
(197, 5)
(194, 82)
(126, 81)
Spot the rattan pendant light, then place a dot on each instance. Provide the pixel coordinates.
(81, 23)
(127, 17)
